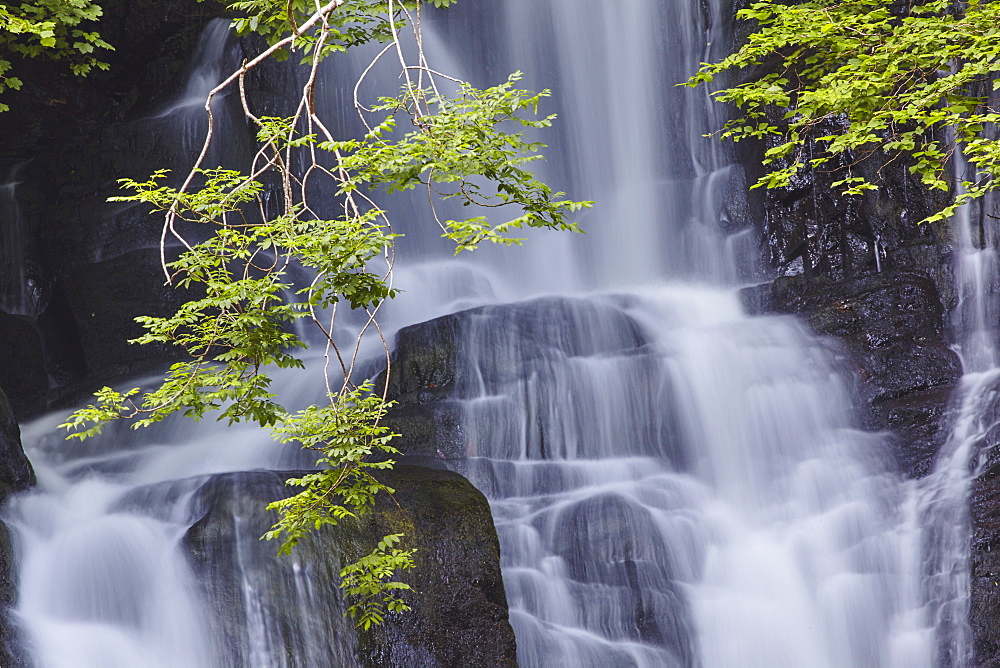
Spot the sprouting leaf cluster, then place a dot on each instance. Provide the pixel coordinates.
(240, 241)
(52, 29)
(366, 582)
(909, 81)
(462, 148)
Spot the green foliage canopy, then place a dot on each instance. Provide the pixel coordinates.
(909, 79)
(51, 29)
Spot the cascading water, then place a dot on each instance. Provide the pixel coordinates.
(677, 484)
(673, 482)
(105, 580)
(943, 497)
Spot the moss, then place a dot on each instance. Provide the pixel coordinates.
(459, 615)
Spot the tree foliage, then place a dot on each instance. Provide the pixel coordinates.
(52, 29)
(896, 80)
(241, 253)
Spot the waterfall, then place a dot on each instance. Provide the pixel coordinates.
(677, 484)
(214, 56)
(943, 497)
(674, 482)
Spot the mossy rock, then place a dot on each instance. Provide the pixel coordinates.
(459, 608)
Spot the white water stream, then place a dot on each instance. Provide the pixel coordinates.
(674, 483)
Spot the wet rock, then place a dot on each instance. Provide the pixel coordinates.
(918, 426)
(603, 529)
(985, 565)
(67, 140)
(433, 368)
(424, 358)
(16, 475)
(809, 228)
(22, 364)
(459, 615)
(11, 651)
(891, 326)
(984, 515)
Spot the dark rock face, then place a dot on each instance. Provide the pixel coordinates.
(22, 362)
(809, 228)
(891, 327)
(459, 615)
(422, 381)
(984, 510)
(91, 265)
(16, 475)
(131, 284)
(11, 653)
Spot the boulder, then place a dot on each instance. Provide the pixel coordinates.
(459, 608)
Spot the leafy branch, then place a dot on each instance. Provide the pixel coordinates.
(50, 29)
(914, 82)
(240, 254)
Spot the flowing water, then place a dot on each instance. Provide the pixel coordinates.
(674, 483)
(943, 497)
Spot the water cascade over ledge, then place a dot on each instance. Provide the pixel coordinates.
(673, 481)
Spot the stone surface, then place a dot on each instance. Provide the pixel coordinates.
(66, 141)
(459, 615)
(22, 364)
(890, 326)
(11, 651)
(985, 576)
(16, 475)
(984, 512)
(808, 228)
